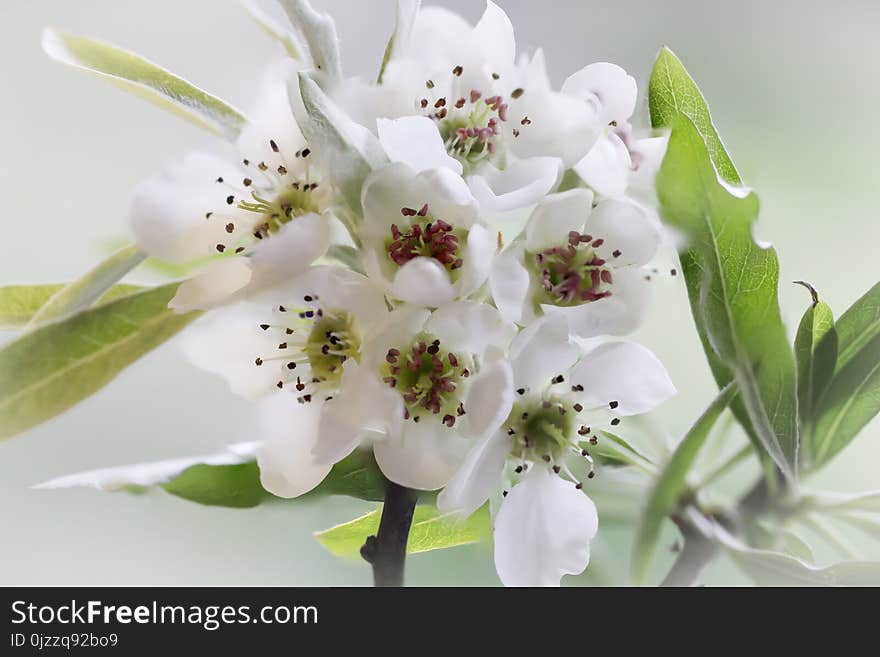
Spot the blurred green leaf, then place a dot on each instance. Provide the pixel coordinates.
(768, 568)
(46, 371)
(145, 79)
(430, 530)
(733, 290)
(407, 10)
(616, 451)
(19, 303)
(850, 402)
(858, 326)
(348, 149)
(319, 31)
(90, 287)
(271, 27)
(867, 502)
(236, 486)
(815, 350)
(672, 483)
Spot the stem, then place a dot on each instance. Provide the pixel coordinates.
(386, 551)
(696, 554)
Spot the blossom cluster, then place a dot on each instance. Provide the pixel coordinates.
(459, 308)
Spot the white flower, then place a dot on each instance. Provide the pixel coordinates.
(295, 336)
(408, 392)
(582, 262)
(465, 88)
(553, 414)
(422, 238)
(263, 219)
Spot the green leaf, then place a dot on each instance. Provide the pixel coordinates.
(815, 349)
(347, 149)
(235, 486)
(430, 530)
(19, 303)
(858, 326)
(319, 32)
(85, 291)
(732, 284)
(768, 568)
(230, 478)
(145, 79)
(614, 450)
(850, 402)
(407, 10)
(868, 502)
(271, 27)
(672, 483)
(46, 371)
(672, 91)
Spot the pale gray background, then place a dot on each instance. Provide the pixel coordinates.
(794, 91)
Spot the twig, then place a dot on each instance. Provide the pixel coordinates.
(386, 551)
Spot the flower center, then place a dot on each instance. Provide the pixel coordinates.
(542, 430)
(277, 195)
(573, 274)
(431, 239)
(314, 344)
(428, 378)
(469, 124)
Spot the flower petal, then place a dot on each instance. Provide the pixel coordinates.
(607, 90)
(626, 373)
(424, 456)
(543, 531)
(478, 256)
(478, 477)
(416, 141)
(607, 167)
(627, 229)
(521, 184)
(509, 282)
(470, 326)
(423, 282)
(290, 251)
(494, 33)
(556, 216)
(362, 407)
(167, 212)
(227, 341)
(289, 431)
(488, 400)
(216, 284)
(541, 351)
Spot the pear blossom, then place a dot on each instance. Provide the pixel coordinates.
(255, 222)
(425, 385)
(582, 262)
(423, 238)
(534, 452)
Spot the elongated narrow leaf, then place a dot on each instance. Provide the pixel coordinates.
(858, 326)
(89, 288)
(50, 369)
(672, 483)
(430, 531)
(145, 79)
(867, 502)
(614, 450)
(733, 283)
(349, 150)
(815, 349)
(407, 10)
(850, 402)
(270, 26)
(19, 303)
(319, 32)
(230, 478)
